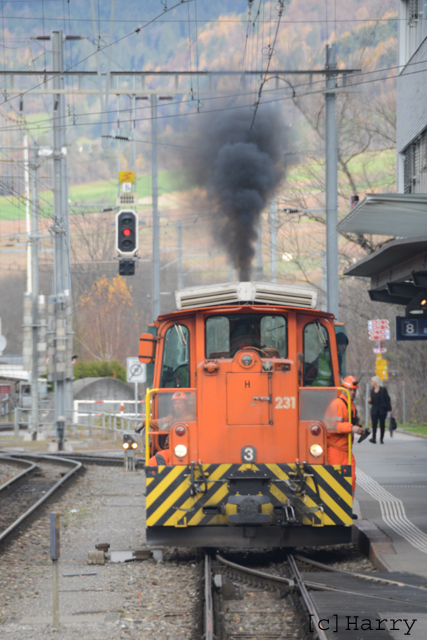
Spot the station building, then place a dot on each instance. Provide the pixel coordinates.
(412, 98)
(398, 270)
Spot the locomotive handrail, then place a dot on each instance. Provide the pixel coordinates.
(323, 389)
(349, 419)
(147, 422)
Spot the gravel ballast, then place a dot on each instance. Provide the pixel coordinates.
(123, 600)
(138, 599)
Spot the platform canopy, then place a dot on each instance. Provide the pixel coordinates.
(388, 214)
(398, 271)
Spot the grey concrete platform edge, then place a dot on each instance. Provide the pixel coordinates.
(373, 542)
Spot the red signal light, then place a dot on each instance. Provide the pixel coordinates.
(127, 233)
(315, 430)
(180, 431)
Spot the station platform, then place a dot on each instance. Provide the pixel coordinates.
(391, 491)
(394, 607)
(390, 501)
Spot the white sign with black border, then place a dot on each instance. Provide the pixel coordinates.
(136, 371)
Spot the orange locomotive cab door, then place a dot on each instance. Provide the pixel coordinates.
(248, 399)
(247, 389)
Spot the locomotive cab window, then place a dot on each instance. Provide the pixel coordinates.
(317, 356)
(225, 335)
(176, 357)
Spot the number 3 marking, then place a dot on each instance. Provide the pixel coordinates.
(248, 453)
(285, 403)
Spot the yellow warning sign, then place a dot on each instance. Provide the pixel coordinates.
(381, 367)
(126, 176)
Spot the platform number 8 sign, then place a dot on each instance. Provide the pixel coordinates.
(248, 454)
(410, 328)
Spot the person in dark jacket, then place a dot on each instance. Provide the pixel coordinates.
(342, 344)
(380, 407)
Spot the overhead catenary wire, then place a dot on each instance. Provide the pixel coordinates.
(242, 20)
(189, 53)
(246, 40)
(257, 18)
(110, 44)
(197, 76)
(240, 106)
(281, 4)
(199, 104)
(375, 71)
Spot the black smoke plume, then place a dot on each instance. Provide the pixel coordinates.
(240, 168)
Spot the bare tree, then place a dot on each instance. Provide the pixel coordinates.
(366, 123)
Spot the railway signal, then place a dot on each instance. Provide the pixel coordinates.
(130, 446)
(127, 240)
(127, 233)
(126, 268)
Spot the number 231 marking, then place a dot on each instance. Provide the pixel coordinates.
(285, 403)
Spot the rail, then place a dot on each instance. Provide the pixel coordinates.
(308, 600)
(29, 468)
(76, 467)
(209, 611)
(296, 582)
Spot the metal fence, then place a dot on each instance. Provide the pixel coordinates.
(86, 423)
(111, 423)
(83, 410)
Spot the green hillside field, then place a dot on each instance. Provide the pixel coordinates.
(101, 191)
(380, 166)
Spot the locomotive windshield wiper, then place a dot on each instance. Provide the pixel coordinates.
(178, 329)
(275, 328)
(321, 336)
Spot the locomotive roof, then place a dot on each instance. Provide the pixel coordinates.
(251, 308)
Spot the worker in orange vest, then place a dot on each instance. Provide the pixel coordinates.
(338, 436)
(182, 412)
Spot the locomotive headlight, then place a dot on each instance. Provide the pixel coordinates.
(134, 445)
(180, 450)
(316, 450)
(247, 361)
(125, 445)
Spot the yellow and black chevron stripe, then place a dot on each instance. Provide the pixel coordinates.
(176, 496)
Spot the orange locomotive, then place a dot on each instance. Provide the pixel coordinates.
(242, 460)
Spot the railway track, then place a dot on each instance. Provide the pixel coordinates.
(245, 603)
(105, 460)
(40, 477)
(23, 496)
